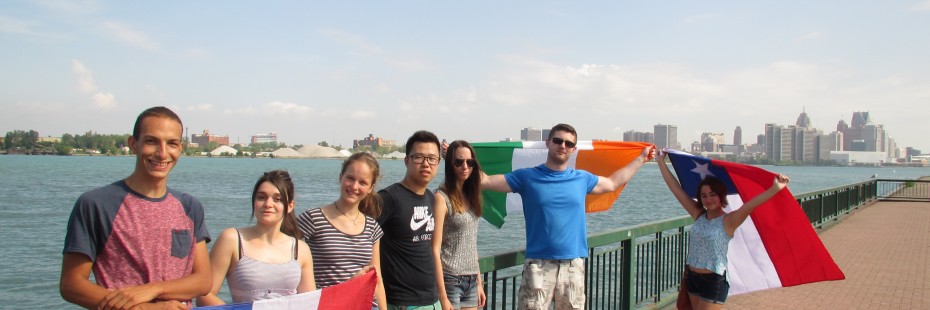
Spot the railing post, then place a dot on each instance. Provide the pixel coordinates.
(626, 294)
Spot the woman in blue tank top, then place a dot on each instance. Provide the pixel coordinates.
(266, 260)
(711, 233)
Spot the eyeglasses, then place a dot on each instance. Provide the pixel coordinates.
(558, 141)
(471, 162)
(419, 158)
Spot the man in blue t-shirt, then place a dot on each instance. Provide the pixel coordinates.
(556, 231)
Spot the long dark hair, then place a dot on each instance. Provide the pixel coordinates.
(371, 204)
(716, 186)
(471, 188)
(282, 181)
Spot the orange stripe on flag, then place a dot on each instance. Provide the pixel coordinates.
(604, 160)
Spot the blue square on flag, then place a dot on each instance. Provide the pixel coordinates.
(691, 170)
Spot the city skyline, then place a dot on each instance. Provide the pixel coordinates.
(480, 71)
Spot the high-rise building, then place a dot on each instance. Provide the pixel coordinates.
(637, 136)
(265, 138)
(738, 136)
(711, 140)
(206, 138)
(804, 121)
(666, 136)
(531, 134)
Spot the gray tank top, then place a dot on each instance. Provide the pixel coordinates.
(253, 280)
(459, 251)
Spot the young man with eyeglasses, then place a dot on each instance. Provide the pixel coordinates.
(407, 265)
(556, 230)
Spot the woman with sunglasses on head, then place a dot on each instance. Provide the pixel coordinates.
(455, 238)
(269, 259)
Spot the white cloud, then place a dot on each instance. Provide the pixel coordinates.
(922, 6)
(104, 101)
(29, 28)
(196, 52)
(362, 46)
(363, 114)
(699, 18)
(382, 88)
(273, 109)
(206, 107)
(71, 6)
(811, 36)
(130, 36)
(85, 81)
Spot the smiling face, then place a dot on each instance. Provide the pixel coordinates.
(268, 205)
(157, 148)
(709, 198)
(357, 182)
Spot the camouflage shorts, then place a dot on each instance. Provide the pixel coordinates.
(546, 281)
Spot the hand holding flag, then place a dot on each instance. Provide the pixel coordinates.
(776, 246)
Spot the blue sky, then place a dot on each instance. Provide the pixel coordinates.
(477, 70)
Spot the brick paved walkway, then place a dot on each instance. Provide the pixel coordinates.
(884, 250)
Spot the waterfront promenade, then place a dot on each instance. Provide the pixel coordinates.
(884, 250)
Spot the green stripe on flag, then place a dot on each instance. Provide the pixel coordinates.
(495, 158)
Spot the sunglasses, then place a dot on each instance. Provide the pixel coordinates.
(558, 141)
(458, 162)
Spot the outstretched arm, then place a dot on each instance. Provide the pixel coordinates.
(736, 218)
(624, 174)
(495, 183)
(686, 202)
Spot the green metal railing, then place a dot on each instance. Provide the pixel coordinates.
(638, 266)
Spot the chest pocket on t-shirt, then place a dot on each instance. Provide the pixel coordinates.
(180, 243)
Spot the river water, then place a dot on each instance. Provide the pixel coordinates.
(38, 192)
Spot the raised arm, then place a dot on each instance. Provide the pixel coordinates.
(624, 174)
(733, 219)
(495, 183)
(686, 202)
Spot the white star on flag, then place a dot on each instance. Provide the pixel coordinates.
(703, 170)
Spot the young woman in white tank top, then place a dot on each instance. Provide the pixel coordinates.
(269, 259)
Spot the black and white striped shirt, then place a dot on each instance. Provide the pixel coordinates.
(336, 255)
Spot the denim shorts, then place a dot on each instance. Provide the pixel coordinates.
(710, 287)
(462, 291)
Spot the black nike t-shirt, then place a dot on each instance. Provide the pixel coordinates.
(406, 247)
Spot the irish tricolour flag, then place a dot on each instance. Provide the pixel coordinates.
(354, 294)
(598, 157)
(776, 246)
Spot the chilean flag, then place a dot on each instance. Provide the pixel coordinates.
(776, 246)
(354, 294)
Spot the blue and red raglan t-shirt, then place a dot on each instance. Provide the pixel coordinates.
(133, 239)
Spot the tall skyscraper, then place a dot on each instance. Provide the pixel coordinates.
(666, 136)
(738, 136)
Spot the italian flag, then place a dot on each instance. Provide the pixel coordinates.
(598, 157)
(354, 294)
